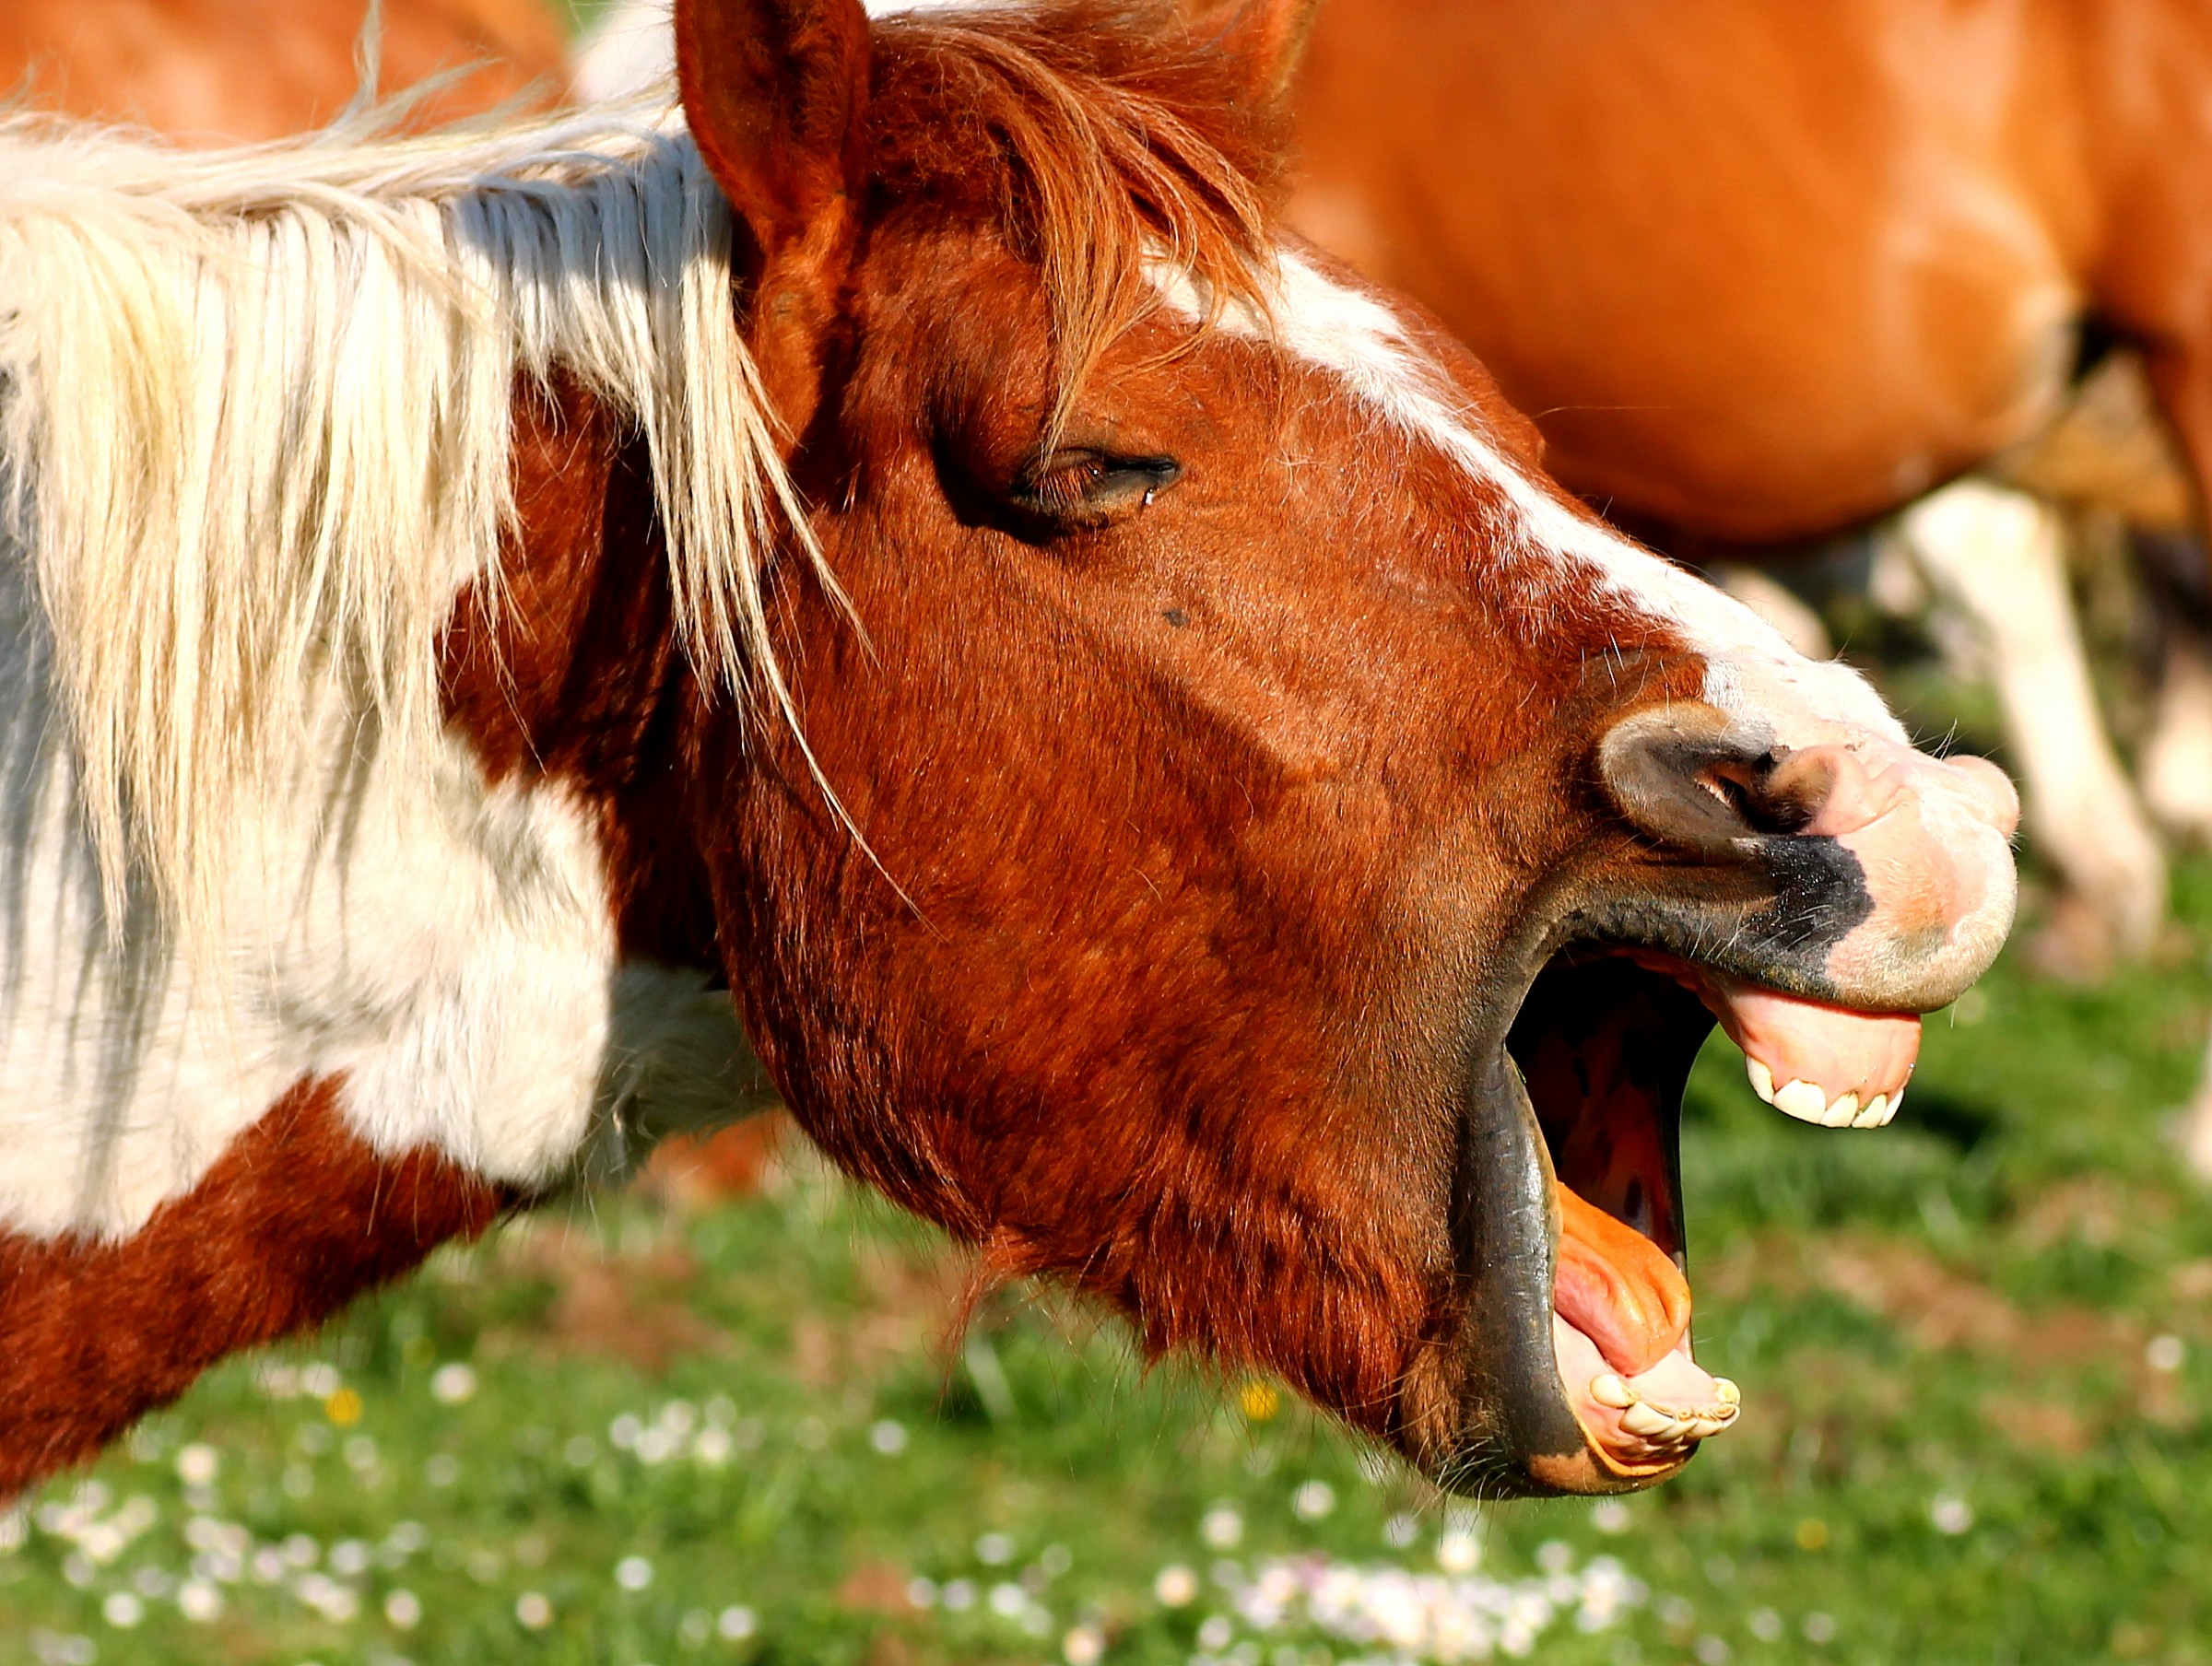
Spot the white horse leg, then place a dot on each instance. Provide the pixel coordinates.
(1993, 556)
(2177, 759)
(2196, 1126)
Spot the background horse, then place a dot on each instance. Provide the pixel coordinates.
(485, 615)
(1763, 275)
(210, 72)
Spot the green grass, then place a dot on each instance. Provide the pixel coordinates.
(1951, 1324)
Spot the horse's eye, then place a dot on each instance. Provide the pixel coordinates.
(1081, 486)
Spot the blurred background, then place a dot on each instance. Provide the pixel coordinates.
(743, 1412)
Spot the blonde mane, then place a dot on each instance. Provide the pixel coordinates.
(255, 421)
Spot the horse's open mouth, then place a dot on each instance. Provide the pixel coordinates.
(1599, 1054)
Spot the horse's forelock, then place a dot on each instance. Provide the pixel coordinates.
(1106, 136)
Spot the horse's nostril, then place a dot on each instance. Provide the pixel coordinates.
(1826, 790)
(1685, 775)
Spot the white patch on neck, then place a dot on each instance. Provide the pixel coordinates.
(1750, 671)
(447, 948)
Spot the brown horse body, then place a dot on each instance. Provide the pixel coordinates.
(1761, 274)
(1256, 849)
(211, 72)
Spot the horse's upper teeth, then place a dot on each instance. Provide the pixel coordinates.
(1874, 1113)
(1762, 1079)
(1803, 1100)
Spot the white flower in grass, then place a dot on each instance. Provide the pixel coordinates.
(533, 1611)
(1611, 1516)
(633, 1573)
(1221, 1527)
(198, 1464)
(1083, 1645)
(2165, 1353)
(995, 1550)
(1458, 1552)
(334, 1601)
(1951, 1514)
(735, 1623)
(199, 1600)
(1313, 1500)
(403, 1608)
(1216, 1634)
(122, 1610)
(154, 1583)
(349, 1558)
(889, 1437)
(453, 1383)
(1176, 1585)
(1009, 1600)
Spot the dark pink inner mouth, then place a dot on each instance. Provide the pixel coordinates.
(1604, 1062)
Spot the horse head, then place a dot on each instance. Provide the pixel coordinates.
(1244, 842)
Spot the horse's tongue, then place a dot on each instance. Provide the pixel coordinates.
(1616, 1287)
(1824, 1065)
(1620, 1314)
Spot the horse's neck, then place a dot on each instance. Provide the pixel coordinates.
(445, 985)
(472, 948)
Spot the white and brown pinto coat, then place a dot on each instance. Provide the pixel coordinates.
(1108, 704)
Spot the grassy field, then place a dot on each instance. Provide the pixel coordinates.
(1976, 1349)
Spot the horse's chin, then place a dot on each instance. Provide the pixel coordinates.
(1571, 1368)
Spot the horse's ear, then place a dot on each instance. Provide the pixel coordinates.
(773, 91)
(1268, 36)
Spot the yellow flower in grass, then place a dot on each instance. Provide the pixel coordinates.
(343, 1408)
(1260, 1400)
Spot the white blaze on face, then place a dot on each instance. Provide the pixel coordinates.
(1751, 673)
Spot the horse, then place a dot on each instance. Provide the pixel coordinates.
(899, 579)
(237, 71)
(1767, 275)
